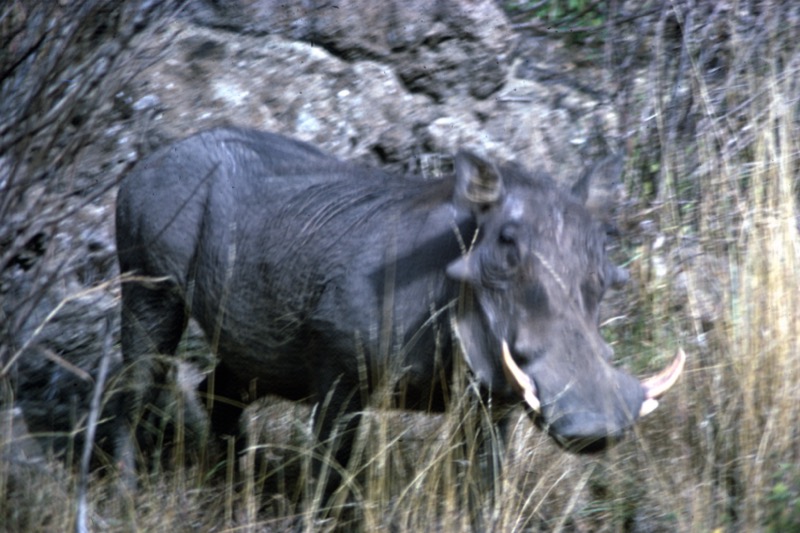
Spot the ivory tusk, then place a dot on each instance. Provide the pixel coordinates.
(519, 380)
(648, 406)
(657, 385)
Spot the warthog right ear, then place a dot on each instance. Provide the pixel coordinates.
(479, 185)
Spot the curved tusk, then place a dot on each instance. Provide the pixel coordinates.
(520, 381)
(657, 385)
(648, 406)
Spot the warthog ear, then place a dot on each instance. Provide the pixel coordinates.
(606, 174)
(479, 185)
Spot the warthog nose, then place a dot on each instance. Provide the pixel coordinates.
(585, 433)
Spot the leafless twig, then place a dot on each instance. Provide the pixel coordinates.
(82, 514)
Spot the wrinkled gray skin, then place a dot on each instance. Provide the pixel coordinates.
(310, 276)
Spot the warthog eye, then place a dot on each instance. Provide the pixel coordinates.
(501, 261)
(508, 234)
(509, 251)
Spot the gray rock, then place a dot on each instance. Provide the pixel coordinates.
(438, 48)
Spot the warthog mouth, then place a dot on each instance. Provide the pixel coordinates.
(653, 387)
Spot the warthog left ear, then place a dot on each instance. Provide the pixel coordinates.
(479, 184)
(600, 201)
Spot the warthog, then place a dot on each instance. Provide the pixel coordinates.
(317, 279)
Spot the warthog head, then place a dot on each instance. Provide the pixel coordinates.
(528, 319)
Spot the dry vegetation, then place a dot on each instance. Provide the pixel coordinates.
(710, 232)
